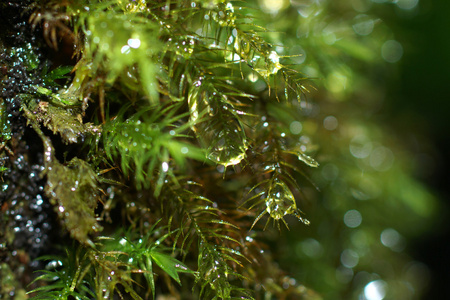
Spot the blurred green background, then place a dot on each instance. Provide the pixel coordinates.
(423, 107)
(378, 116)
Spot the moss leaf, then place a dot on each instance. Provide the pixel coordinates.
(73, 191)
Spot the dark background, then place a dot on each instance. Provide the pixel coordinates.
(421, 103)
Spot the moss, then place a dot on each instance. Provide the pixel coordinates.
(67, 122)
(170, 131)
(73, 190)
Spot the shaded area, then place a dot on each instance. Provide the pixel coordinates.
(422, 106)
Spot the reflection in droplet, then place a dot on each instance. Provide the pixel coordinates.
(363, 25)
(352, 218)
(330, 123)
(349, 258)
(375, 290)
(392, 51)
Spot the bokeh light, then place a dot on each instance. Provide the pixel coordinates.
(375, 290)
(392, 51)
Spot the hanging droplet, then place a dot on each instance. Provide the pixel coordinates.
(280, 200)
(242, 46)
(307, 160)
(216, 125)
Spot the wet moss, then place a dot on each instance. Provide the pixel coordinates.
(153, 110)
(74, 192)
(65, 121)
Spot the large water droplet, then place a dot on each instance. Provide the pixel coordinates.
(280, 200)
(215, 123)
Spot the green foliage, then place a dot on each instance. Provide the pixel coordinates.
(150, 147)
(118, 41)
(72, 189)
(65, 277)
(216, 124)
(184, 124)
(145, 252)
(65, 121)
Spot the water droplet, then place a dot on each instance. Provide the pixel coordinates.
(307, 159)
(280, 200)
(216, 125)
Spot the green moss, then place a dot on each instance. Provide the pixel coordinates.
(65, 121)
(73, 190)
(187, 123)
